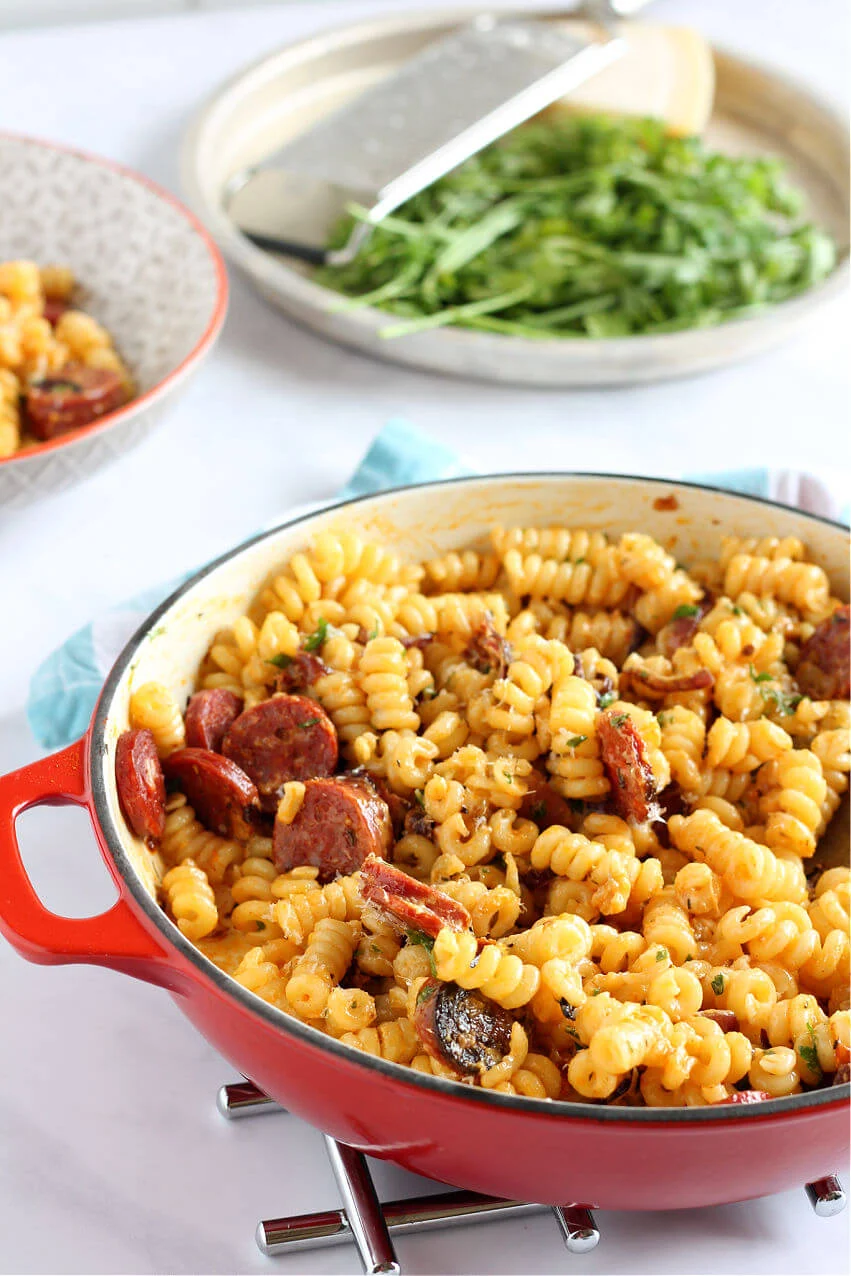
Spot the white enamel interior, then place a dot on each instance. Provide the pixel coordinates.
(420, 522)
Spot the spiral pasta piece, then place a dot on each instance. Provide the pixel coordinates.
(748, 870)
(191, 900)
(500, 976)
(794, 805)
(153, 707)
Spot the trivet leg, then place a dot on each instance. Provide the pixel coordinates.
(363, 1211)
(577, 1227)
(827, 1196)
(243, 1098)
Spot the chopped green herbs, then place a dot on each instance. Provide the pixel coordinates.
(607, 698)
(760, 677)
(315, 640)
(280, 661)
(809, 1050)
(420, 937)
(308, 722)
(661, 954)
(717, 984)
(424, 993)
(418, 798)
(685, 610)
(587, 226)
(575, 741)
(619, 719)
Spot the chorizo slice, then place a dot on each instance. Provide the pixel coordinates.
(726, 1019)
(54, 309)
(542, 804)
(298, 672)
(666, 683)
(75, 396)
(341, 822)
(222, 796)
(630, 774)
(824, 667)
(460, 1027)
(680, 631)
(408, 904)
(747, 1096)
(208, 716)
(141, 784)
(284, 738)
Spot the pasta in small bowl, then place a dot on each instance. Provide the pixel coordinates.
(111, 293)
(458, 827)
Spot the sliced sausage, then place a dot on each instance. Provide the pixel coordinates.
(625, 759)
(54, 309)
(76, 396)
(284, 738)
(208, 716)
(668, 683)
(397, 805)
(338, 825)
(141, 784)
(221, 795)
(460, 1027)
(408, 904)
(726, 1019)
(680, 631)
(824, 667)
(296, 673)
(747, 1096)
(542, 804)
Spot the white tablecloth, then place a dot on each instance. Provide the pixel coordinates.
(112, 1157)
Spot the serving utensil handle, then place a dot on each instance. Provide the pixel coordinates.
(115, 938)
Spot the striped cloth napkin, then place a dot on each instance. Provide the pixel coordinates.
(65, 688)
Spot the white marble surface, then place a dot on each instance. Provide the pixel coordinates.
(112, 1157)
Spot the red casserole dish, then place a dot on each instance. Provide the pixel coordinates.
(616, 1158)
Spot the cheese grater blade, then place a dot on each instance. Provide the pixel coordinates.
(445, 104)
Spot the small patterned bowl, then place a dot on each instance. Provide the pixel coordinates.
(148, 271)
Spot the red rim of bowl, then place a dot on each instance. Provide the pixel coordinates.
(204, 342)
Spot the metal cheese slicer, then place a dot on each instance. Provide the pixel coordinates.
(397, 137)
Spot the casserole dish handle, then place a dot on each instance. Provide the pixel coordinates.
(115, 938)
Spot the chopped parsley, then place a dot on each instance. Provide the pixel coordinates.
(309, 722)
(661, 954)
(315, 640)
(424, 993)
(373, 633)
(785, 703)
(760, 677)
(618, 719)
(607, 698)
(576, 740)
(418, 798)
(809, 1050)
(685, 610)
(420, 937)
(281, 661)
(717, 984)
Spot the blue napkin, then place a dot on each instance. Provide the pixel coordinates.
(64, 689)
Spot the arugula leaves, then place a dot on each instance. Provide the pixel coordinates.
(587, 226)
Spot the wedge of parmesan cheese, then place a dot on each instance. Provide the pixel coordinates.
(667, 72)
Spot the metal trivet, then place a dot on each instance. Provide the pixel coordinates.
(367, 1223)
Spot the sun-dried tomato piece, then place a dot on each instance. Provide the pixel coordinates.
(625, 758)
